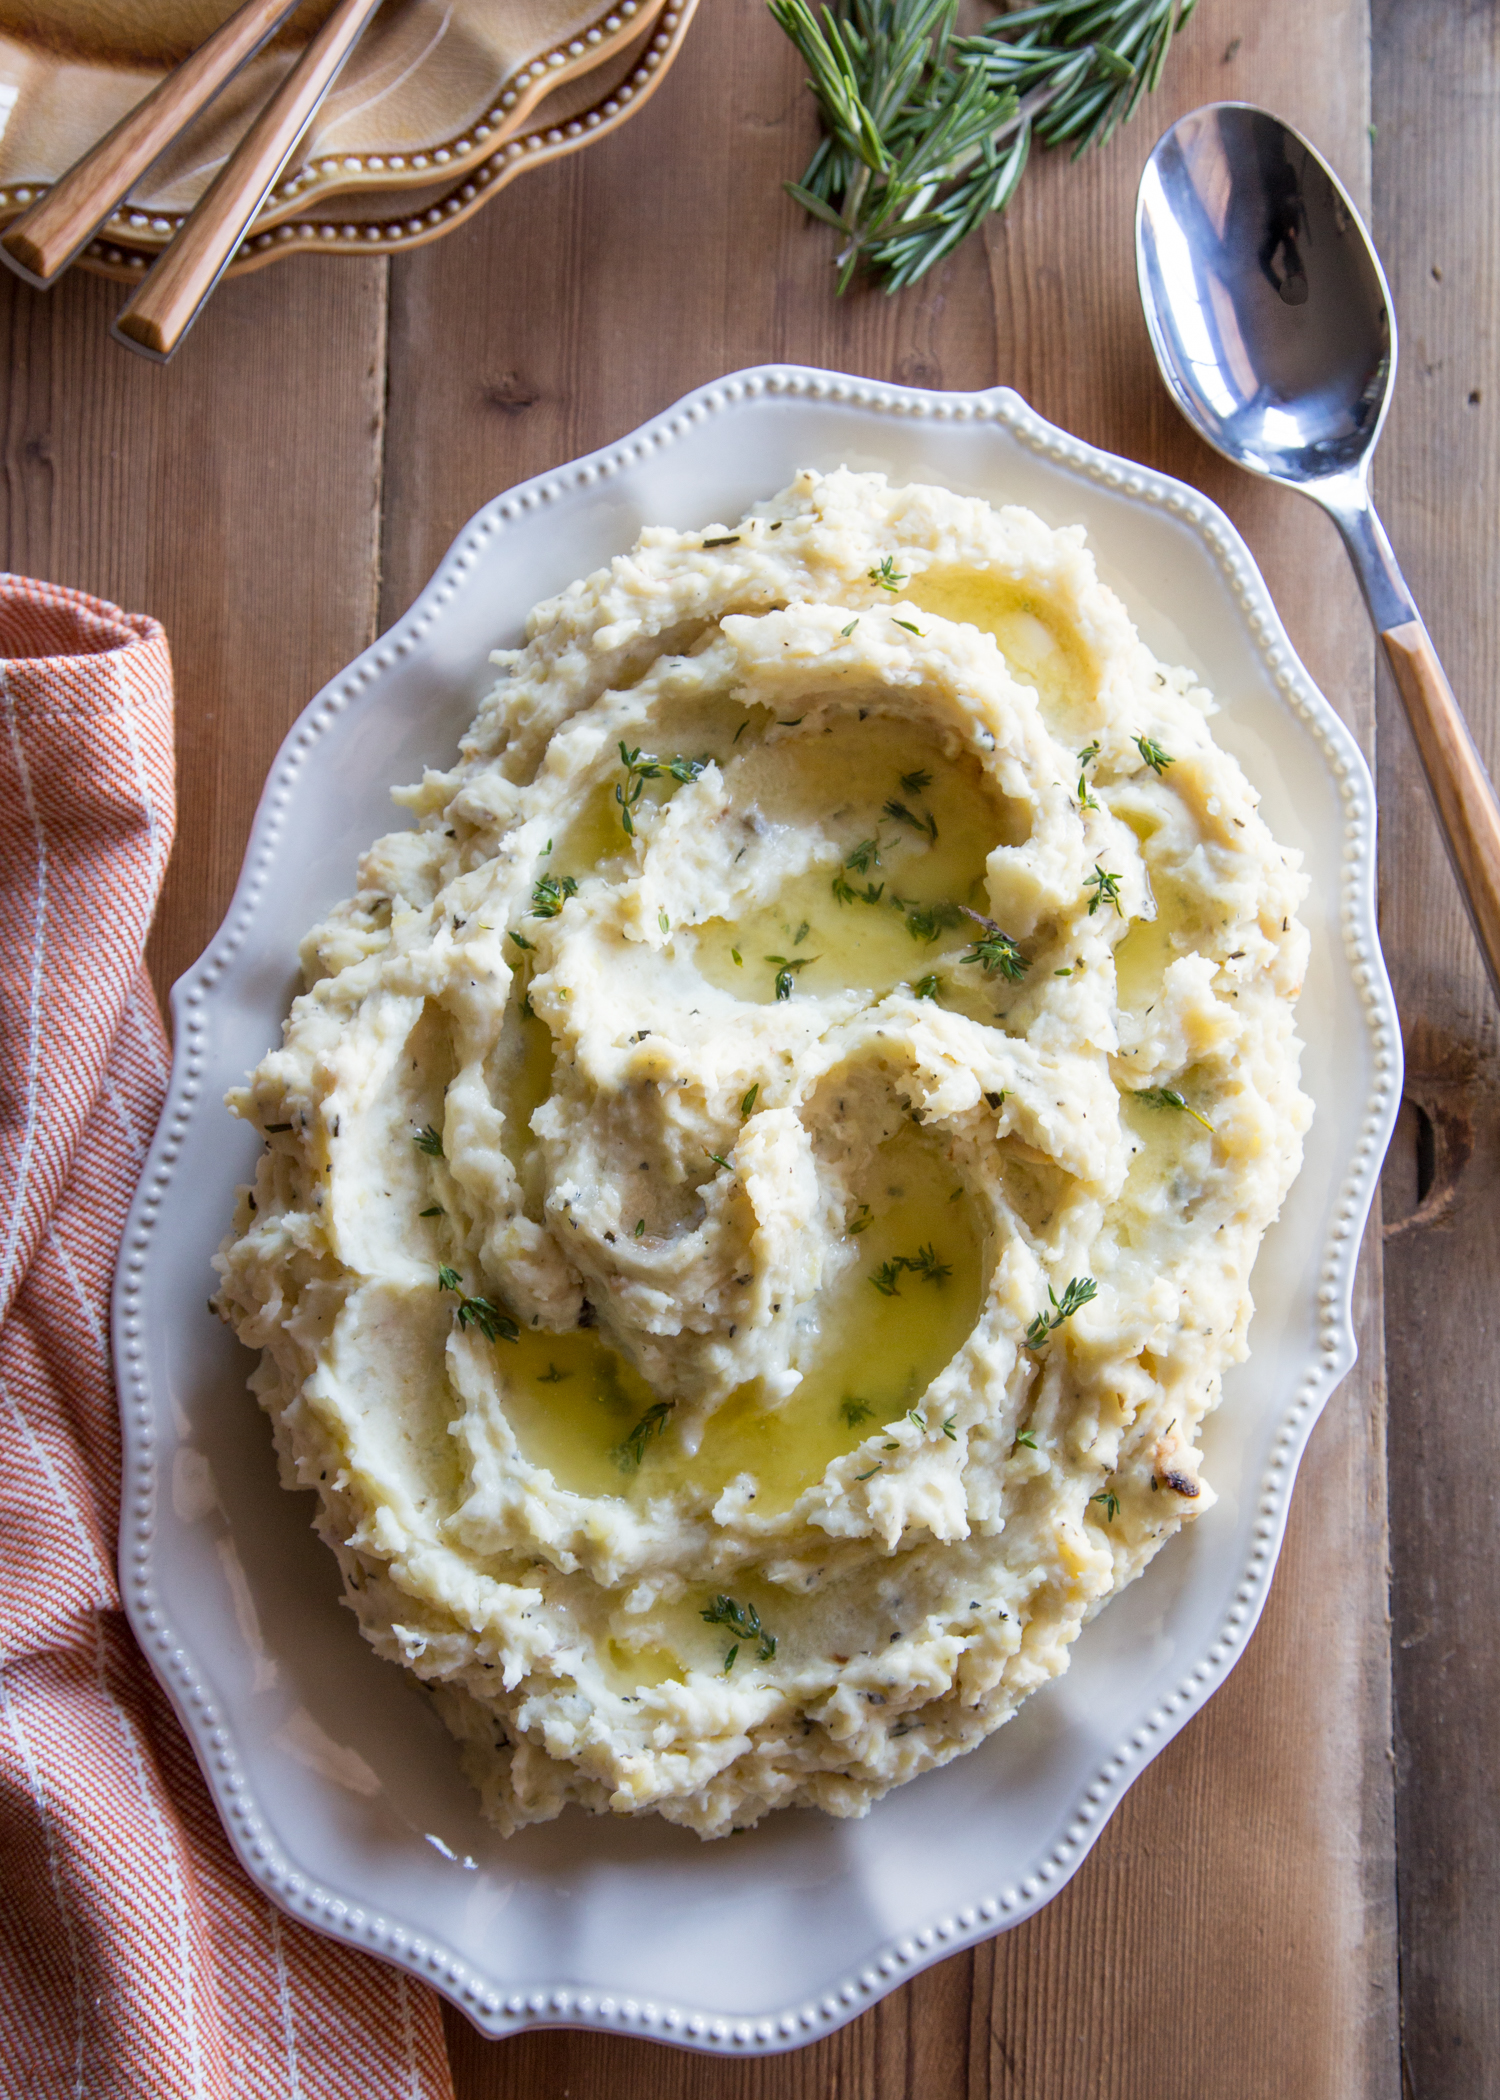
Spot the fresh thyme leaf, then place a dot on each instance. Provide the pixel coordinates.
(1088, 754)
(995, 950)
(885, 572)
(640, 1226)
(493, 1324)
(731, 1657)
(727, 539)
(640, 767)
(927, 132)
(663, 921)
(521, 940)
(865, 852)
(631, 1449)
(552, 1375)
(950, 1429)
(845, 632)
(887, 1278)
(433, 1210)
(785, 972)
(855, 1411)
(741, 1619)
(1157, 759)
(1106, 889)
(1168, 1097)
(426, 1140)
(1111, 1503)
(914, 1415)
(738, 958)
(924, 922)
(1025, 1437)
(861, 1221)
(872, 1472)
(720, 1161)
(550, 893)
(449, 1279)
(749, 1101)
(900, 814)
(927, 987)
(915, 782)
(274, 1129)
(925, 1265)
(920, 637)
(801, 934)
(1077, 1294)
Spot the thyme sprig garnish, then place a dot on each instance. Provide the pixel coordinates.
(494, 1325)
(924, 922)
(1157, 759)
(1106, 889)
(631, 1449)
(845, 893)
(550, 893)
(1111, 1503)
(1168, 1097)
(855, 1411)
(926, 133)
(640, 767)
(865, 852)
(914, 783)
(744, 1621)
(900, 814)
(1086, 758)
(1078, 1293)
(995, 950)
(426, 1140)
(786, 972)
(885, 572)
(924, 1264)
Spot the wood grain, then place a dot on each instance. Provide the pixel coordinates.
(1437, 178)
(233, 494)
(1233, 1933)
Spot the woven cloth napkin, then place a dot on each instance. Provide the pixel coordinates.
(137, 1960)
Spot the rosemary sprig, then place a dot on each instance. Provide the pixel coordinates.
(926, 133)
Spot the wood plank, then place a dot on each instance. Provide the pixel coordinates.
(233, 493)
(1233, 1933)
(1437, 181)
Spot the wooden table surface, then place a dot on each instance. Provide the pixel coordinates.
(1301, 1896)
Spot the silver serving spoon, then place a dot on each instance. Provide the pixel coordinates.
(1272, 323)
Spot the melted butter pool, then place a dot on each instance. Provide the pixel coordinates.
(867, 1355)
(1038, 642)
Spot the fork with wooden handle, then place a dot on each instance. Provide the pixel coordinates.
(158, 315)
(43, 241)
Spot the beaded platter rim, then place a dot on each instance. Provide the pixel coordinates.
(487, 2001)
(486, 167)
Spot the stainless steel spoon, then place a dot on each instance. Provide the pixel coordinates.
(1272, 323)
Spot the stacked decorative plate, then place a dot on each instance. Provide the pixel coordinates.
(442, 103)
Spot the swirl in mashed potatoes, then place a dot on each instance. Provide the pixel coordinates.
(762, 1181)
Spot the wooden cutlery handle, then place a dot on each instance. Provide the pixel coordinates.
(157, 316)
(1461, 787)
(44, 240)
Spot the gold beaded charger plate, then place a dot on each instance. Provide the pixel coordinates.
(338, 1785)
(434, 93)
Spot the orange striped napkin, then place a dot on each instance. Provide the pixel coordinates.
(135, 1955)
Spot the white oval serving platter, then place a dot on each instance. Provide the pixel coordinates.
(339, 1788)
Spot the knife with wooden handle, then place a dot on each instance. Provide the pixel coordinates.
(158, 315)
(44, 240)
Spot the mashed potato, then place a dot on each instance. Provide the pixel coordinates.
(761, 1184)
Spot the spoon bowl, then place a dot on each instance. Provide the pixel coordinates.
(1273, 326)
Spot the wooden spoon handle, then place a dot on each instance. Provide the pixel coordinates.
(1461, 788)
(43, 241)
(157, 316)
